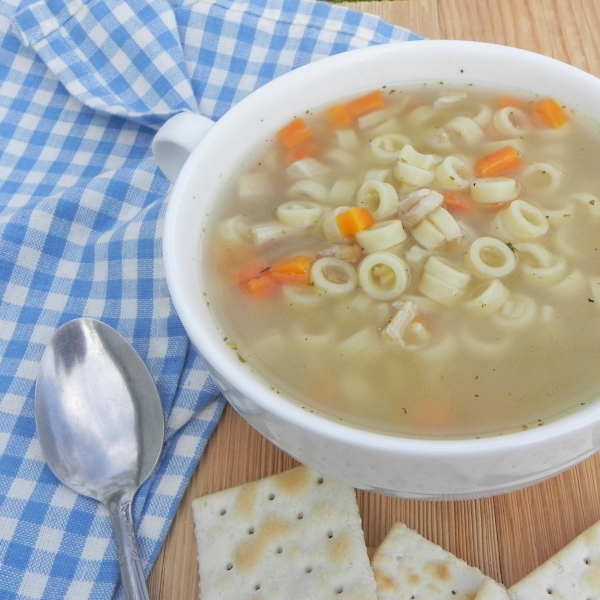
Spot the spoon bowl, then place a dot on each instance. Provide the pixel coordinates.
(101, 426)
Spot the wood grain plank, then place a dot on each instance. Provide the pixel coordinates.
(506, 536)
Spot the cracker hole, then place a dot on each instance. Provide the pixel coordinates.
(586, 561)
(320, 480)
(271, 496)
(330, 534)
(279, 550)
(257, 587)
(300, 516)
(549, 591)
(339, 590)
(250, 530)
(308, 569)
(229, 566)
(223, 511)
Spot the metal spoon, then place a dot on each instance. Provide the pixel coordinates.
(101, 426)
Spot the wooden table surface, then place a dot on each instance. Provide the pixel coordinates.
(505, 536)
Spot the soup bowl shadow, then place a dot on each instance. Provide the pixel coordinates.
(199, 156)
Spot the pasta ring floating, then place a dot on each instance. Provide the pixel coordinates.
(383, 275)
(379, 197)
(381, 236)
(521, 220)
(298, 213)
(494, 190)
(539, 266)
(333, 275)
(489, 257)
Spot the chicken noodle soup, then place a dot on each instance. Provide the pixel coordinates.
(420, 261)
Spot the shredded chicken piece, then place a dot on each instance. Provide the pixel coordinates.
(398, 324)
(351, 253)
(417, 205)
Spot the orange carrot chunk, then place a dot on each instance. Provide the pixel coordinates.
(502, 161)
(263, 286)
(302, 150)
(456, 201)
(294, 270)
(354, 220)
(550, 113)
(338, 116)
(294, 133)
(365, 104)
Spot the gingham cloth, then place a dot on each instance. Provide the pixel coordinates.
(83, 88)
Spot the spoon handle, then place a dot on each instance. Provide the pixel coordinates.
(132, 575)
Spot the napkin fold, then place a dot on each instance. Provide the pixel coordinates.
(84, 85)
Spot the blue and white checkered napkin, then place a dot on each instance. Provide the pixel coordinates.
(83, 87)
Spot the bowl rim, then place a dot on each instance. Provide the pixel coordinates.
(219, 356)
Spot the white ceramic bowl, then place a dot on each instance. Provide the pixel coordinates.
(410, 468)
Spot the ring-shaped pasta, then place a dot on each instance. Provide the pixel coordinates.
(488, 257)
(465, 130)
(358, 342)
(386, 148)
(342, 191)
(341, 158)
(389, 126)
(302, 295)
(253, 185)
(439, 349)
(333, 275)
(379, 197)
(518, 312)
(383, 275)
(443, 283)
(484, 301)
(381, 236)
(494, 190)
(447, 273)
(411, 176)
(539, 266)
(309, 189)
(299, 213)
(234, 231)
(511, 121)
(347, 139)
(523, 220)
(410, 156)
(421, 116)
(329, 224)
(542, 178)
(481, 114)
(453, 173)
(376, 174)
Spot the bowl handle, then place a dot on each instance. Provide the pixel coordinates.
(176, 139)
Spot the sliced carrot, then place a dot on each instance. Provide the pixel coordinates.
(502, 161)
(457, 201)
(550, 113)
(251, 270)
(263, 286)
(338, 116)
(295, 270)
(302, 150)
(294, 133)
(365, 104)
(354, 220)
